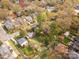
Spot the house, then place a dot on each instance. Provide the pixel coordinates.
(35, 14)
(29, 18)
(42, 3)
(50, 8)
(17, 22)
(75, 44)
(15, 34)
(73, 55)
(30, 35)
(7, 53)
(9, 24)
(76, 9)
(22, 42)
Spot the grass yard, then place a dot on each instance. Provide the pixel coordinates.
(11, 43)
(33, 41)
(66, 40)
(19, 57)
(27, 50)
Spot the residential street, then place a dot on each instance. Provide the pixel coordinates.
(3, 35)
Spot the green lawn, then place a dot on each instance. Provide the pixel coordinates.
(19, 57)
(66, 40)
(27, 50)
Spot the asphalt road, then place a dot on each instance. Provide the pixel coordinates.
(3, 35)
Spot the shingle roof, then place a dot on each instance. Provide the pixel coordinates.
(8, 24)
(21, 40)
(76, 7)
(30, 35)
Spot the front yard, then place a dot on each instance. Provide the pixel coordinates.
(27, 50)
(11, 43)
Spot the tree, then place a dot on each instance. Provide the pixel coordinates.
(16, 8)
(23, 33)
(55, 29)
(5, 4)
(41, 17)
(75, 26)
(3, 14)
(65, 23)
(23, 28)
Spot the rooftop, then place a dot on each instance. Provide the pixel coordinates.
(21, 40)
(77, 7)
(8, 24)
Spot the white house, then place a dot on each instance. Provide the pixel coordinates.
(30, 35)
(50, 8)
(22, 42)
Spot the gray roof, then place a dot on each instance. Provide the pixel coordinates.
(30, 35)
(77, 7)
(29, 18)
(51, 8)
(21, 40)
(77, 39)
(75, 44)
(73, 55)
(8, 24)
